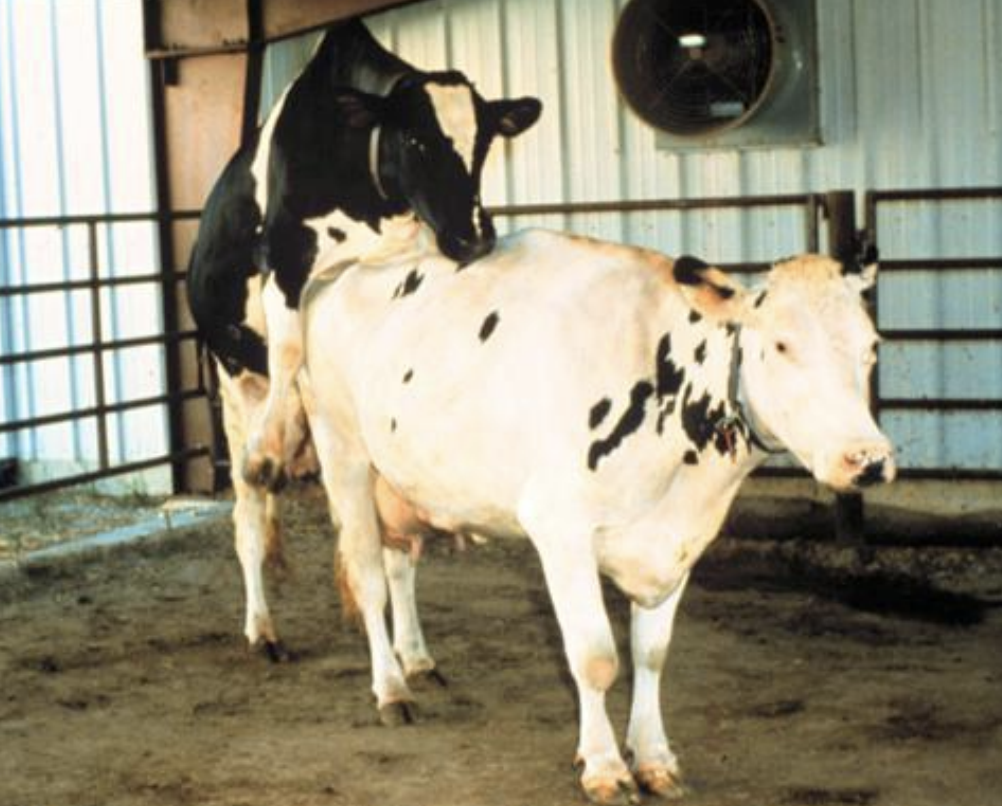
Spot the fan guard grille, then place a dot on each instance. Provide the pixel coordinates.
(694, 67)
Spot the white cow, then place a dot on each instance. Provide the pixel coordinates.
(600, 400)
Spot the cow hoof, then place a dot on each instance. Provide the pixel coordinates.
(660, 782)
(609, 791)
(277, 652)
(398, 714)
(426, 677)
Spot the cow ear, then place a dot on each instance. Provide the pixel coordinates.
(865, 279)
(512, 117)
(709, 291)
(359, 110)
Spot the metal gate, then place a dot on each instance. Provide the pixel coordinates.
(94, 289)
(939, 388)
(827, 222)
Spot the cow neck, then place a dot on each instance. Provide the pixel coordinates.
(736, 404)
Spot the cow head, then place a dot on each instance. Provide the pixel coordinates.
(807, 349)
(430, 137)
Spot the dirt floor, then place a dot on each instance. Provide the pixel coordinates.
(798, 677)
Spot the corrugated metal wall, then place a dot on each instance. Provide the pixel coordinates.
(75, 139)
(910, 96)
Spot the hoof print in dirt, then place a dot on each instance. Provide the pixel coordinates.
(397, 714)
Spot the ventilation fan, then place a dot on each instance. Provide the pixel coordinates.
(720, 72)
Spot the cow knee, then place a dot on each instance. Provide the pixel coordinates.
(600, 669)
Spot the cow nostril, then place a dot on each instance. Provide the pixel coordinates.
(872, 473)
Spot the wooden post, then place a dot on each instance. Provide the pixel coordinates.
(843, 245)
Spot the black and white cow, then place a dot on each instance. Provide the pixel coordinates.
(604, 402)
(359, 148)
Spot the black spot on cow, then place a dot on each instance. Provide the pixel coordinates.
(488, 325)
(393, 425)
(694, 317)
(691, 457)
(669, 375)
(702, 421)
(410, 284)
(760, 298)
(337, 234)
(629, 422)
(700, 354)
(599, 412)
(731, 328)
(408, 376)
(688, 270)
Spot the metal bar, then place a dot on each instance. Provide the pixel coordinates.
(22, 491)
(812, 238)
(86, 285)
(943, 264)
(167, 54)
(940, 405)
(97, 218)
(941, 334)
(951, 473)
(935, 194)
(649, 205)
(843, 245)
(97, 354)
(120, 344)
(168, 288)
(95, 411)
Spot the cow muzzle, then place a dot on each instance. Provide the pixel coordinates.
(465, 250)
(864, 465)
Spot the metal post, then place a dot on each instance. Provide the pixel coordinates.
(840, 206)
(159, 76)
(97, 334)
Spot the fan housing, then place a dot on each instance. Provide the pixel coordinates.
(720, 73)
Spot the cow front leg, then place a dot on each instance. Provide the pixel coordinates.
(575, 588)
(654, 764)
(263, 464)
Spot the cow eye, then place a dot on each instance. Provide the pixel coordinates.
(782, 348)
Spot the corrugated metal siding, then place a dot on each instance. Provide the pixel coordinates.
(910, 96)
(75, 139)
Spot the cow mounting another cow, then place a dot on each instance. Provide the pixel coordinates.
(359, 148)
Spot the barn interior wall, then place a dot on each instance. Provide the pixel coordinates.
(910, 97)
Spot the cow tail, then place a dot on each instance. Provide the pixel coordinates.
(350, 612)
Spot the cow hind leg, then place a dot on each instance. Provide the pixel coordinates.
(255, 516)
(654, 765)
(263, 463)
(408, 638)
(348, 482)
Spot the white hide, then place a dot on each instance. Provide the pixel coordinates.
(472, 392)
